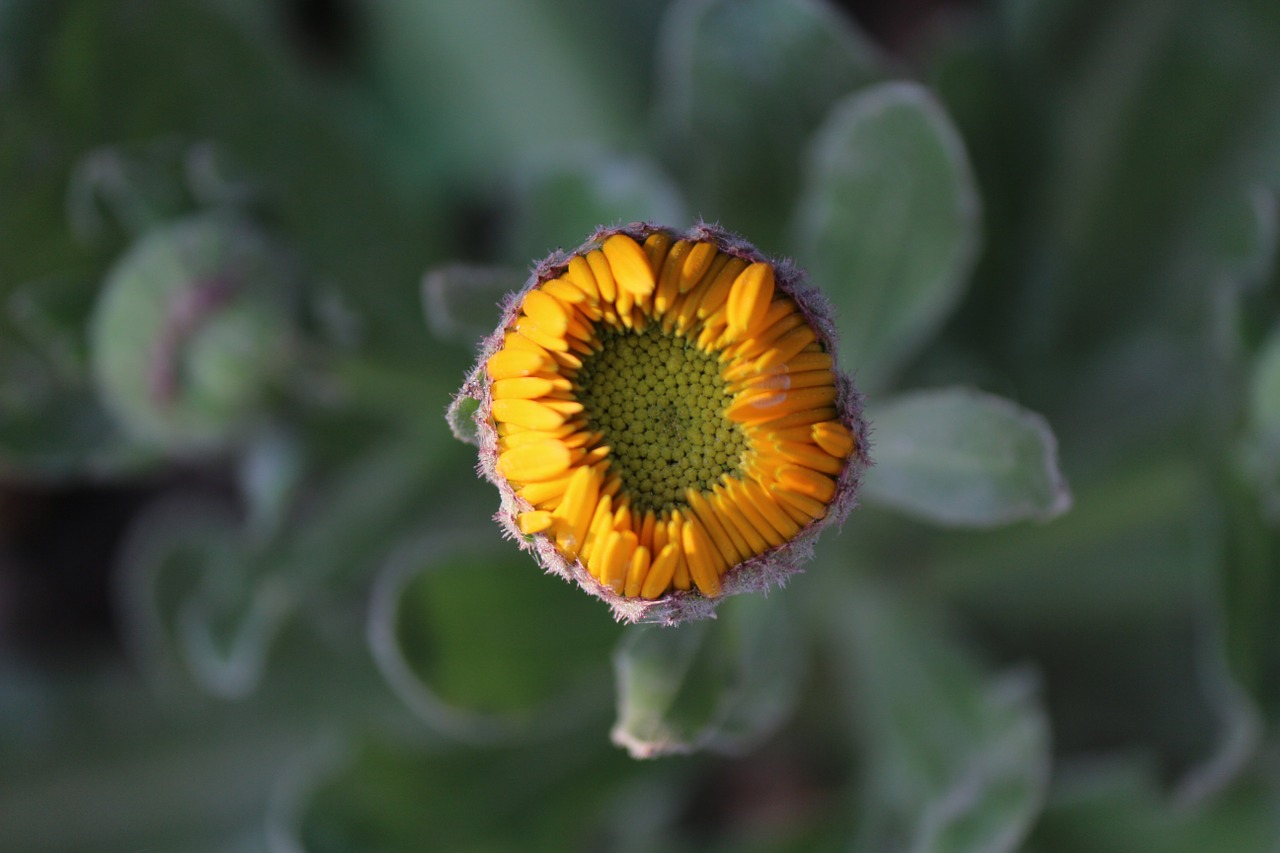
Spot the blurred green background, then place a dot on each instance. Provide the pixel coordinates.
(251, 597)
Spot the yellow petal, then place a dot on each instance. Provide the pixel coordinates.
(715, 294)
(630, 265)
(698, 550)
(513, 363)
(647, 525)
(598, 527)
(659, 577)
(531, 330)
(730, 544)
(656, 246)
(696, 264)
(527, 413)
(801, 418)
(764, 406)
(580, 276)
(545, 495)
(810, 507)
(749, 298)
(636, 572)
(528, 387)
(834, 437)
(767, 506)
(681, 579)
(808, 455)
(615, 559)
(669, 280)
(786, 347)
(810, 361)
(565, 291)
(535, 462)
(550, 314)
(604, 275)
(577, 508)
(729, 511)
(820, 487)
(534, 522)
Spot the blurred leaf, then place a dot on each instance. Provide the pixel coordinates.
(1241, 239)
(52, 314)
(458, 625)
(1264, 388)
(964, 458)
(110, 770)
(1260, 451)
(190, 74)
(719, 684)
(479, 86)
(742, 85)
(138, 189)
(1248, 580)
(462, 302)
(888, 224)
(196, 601)
(559, 204)
(393, 797)
(957, 762)
(1155, 116)
(50, 429)
(1120, 808)
(270, 473)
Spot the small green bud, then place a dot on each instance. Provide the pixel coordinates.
(190, 332)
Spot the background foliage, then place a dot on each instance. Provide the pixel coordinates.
(250, 597)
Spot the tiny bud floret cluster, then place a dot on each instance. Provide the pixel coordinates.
(665, 414)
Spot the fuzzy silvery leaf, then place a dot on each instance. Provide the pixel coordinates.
(962, 458)
(442, 615)
(888, 223)
(557, 201)
(958, 762)
(197, 604)
(720, 684)
(741, 87)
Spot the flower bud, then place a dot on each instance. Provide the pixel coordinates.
(190, 332)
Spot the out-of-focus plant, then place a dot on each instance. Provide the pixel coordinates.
(214, 216)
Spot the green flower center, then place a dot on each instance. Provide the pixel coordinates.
(660, 400)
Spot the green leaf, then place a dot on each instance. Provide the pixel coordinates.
(1240, 238)
(383, 795)
(1120, 807)
(482, 646)
(1260, 447)
(485, 83)
(53, 427)
(963, 458)
(51, 314)
(1264, 389)
(1127, 95)
(742, 85)
(169, 552)
(560, 204)
(1249, 593)
(888, 224)
(958, 763)
(461, 416)
(718, 684)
